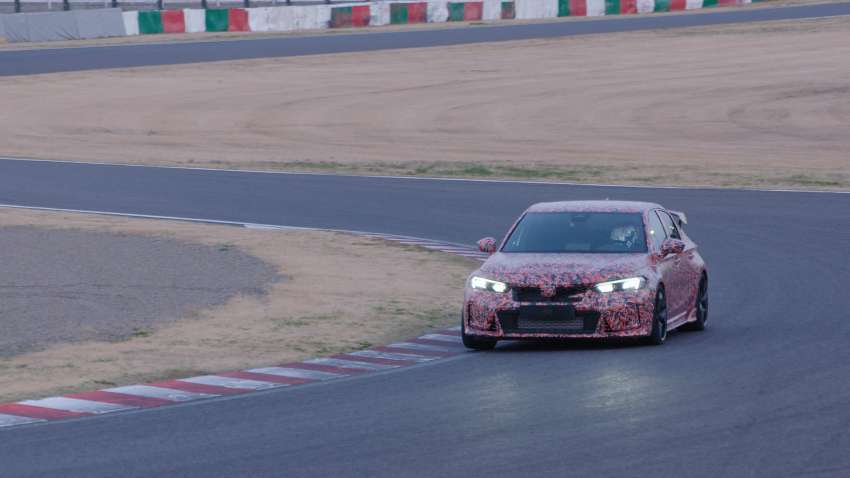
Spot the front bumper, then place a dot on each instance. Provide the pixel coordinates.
(589, 314)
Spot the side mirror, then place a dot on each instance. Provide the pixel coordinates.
(488, 245)
(671, 246)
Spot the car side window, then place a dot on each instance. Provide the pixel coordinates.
(656, 230)
(669, 225)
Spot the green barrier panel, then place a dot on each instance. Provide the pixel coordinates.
(456, 12)
(563, 8)
(612, 7)
(217, 20)
(662, 5)
(398, 13)
(709, 3)
(150, 22)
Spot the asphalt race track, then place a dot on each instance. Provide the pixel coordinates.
(763, 392)
(35, 61)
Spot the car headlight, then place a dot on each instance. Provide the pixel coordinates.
(481, 283)
(632, 283)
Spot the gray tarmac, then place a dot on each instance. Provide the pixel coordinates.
(60, 286)
(762, 392)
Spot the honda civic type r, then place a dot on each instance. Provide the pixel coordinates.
(587, 269)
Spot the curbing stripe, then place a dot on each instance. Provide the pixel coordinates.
(199, 388)
(232, 382)
(351, 364)
(120, 399)
(15, 420)
(421, 353)
(377, 360)
(453, 346)
(426, 348)
(283, 381)
(325, 368)
(158, 392)
(297, 373)
(418, 346)
(441, 338)
(37, 412)
(77, 405)
(392, 356)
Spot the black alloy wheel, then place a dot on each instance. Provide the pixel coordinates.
(659, 319)
(475, 343)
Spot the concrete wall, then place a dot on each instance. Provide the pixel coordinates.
(72, 25)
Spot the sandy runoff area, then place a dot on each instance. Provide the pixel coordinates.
(763, 105)
(326, 293)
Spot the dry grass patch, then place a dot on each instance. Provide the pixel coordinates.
(341, 293)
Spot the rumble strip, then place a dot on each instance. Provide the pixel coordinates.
(427, 348)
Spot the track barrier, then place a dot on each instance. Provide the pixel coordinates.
(111, 22)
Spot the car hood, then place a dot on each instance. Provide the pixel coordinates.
(525, 269)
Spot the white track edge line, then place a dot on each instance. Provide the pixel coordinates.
(248, 225)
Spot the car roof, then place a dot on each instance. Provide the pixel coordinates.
(593, 206)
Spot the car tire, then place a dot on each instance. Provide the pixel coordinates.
(475, 343)
(659, 319)
(701, 307)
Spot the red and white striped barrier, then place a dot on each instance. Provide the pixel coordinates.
(318, 17)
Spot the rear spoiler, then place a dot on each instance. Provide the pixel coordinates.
(679, 217)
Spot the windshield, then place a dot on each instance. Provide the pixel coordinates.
(578, 232)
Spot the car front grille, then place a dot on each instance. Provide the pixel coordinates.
(562, 294)
(570, 325)
(581, 322)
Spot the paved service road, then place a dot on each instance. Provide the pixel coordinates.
(763, 392)
(29, 62)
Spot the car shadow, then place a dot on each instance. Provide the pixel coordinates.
(563, 345)
(551, 345)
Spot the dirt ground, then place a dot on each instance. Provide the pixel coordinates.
(764, 105)
(339, 293)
